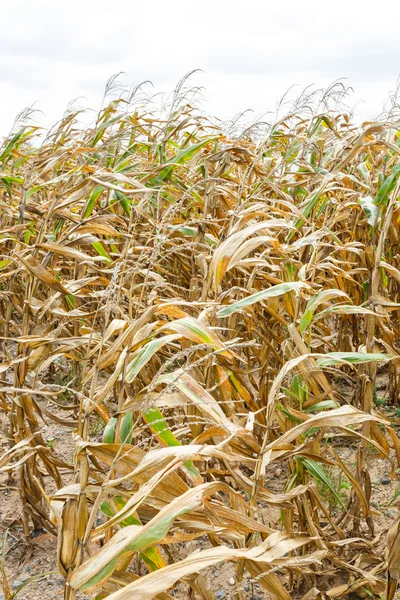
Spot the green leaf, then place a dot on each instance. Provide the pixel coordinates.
(286, 412)
(12, 179)
(120, 503)
(160, 428)
(91, 203)
(70, 301)
(34, 190)
(313, 304)
(183, 156)
(32, 579)
(103, 127)
(125, 434)
(144, 355)
(4, 263)
(334, 358)
(192, 231)
(364, 170)
(275, 290)
(109, 431)
(110, 511)
(125, 202)
(317, 471)
(345, 309)
(194, 330)
(98, 568)
(101, 251)
(13, 142)
(370, 209)
(387, 186)
(151, 556)
(323, 405)
(300, 388)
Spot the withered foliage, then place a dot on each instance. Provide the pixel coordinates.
(222, 304)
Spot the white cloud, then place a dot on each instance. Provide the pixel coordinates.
(251, 52)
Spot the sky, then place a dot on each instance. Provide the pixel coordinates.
(249, 52)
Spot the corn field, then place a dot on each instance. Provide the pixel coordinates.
(206, 310)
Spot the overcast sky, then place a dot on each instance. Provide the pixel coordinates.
(251, 51)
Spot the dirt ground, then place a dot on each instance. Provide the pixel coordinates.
(27, 559)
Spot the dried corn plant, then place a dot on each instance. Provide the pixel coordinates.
(222, 304)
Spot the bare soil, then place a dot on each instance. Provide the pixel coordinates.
(26, 559)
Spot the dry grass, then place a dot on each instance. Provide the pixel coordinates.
(212, 298)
